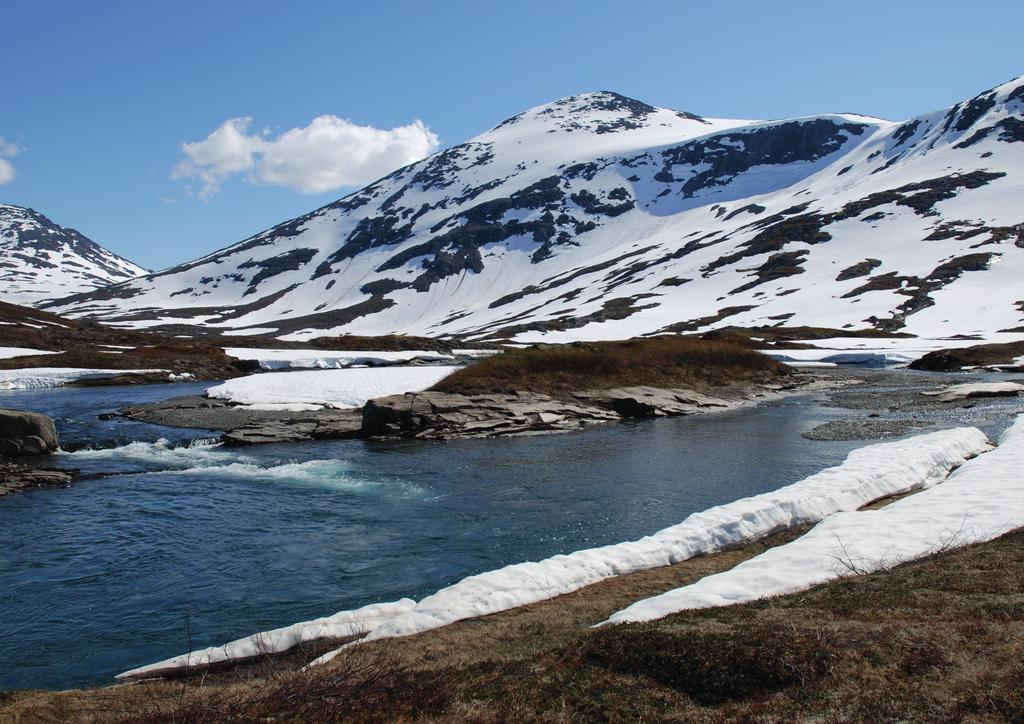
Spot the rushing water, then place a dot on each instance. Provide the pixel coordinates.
(189, 541)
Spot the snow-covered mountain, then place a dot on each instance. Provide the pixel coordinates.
(598, 216)
(41, 260)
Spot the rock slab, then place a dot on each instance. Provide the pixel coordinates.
(441, 415)
(15, 477)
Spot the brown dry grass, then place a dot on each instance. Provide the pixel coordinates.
(656, 362)
(940, 639)
(950, 360)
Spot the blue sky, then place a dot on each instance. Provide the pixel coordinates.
(98, 97)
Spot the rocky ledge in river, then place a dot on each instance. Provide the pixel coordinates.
(436, 415)
(18, 476)
(246, 426)
(441, 415)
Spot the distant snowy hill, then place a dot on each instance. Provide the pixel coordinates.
(598, 216)
(40, 260)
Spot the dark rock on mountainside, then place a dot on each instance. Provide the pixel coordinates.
(725, 156)
(860, 269)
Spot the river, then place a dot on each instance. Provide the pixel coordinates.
(182, 542)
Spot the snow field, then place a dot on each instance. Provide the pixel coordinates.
(980, 501)
(314, 390)
(868, 473)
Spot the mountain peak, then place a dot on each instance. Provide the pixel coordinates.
(601, 111)
(40, 259)
(597, 216)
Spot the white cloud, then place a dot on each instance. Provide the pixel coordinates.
(6, 169)
(327, 154)
(225, 152)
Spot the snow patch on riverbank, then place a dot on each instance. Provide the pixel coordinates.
(981, 501)
(313, 390)
(869, 473)
(32, 378)
(340, 625)
(284, 359)
(872, 352)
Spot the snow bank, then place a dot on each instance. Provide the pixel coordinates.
(981, 501)
(248, 331)
(867, 474)
(9, 352)
(340, 625)
(38, 377)
(476, 352)
(792, 363)
(312, 390)
(283, 359)
(863, 358)
(976, 389)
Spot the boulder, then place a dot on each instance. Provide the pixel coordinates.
(26, 433)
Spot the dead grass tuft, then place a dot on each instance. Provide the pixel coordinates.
(716, 666)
